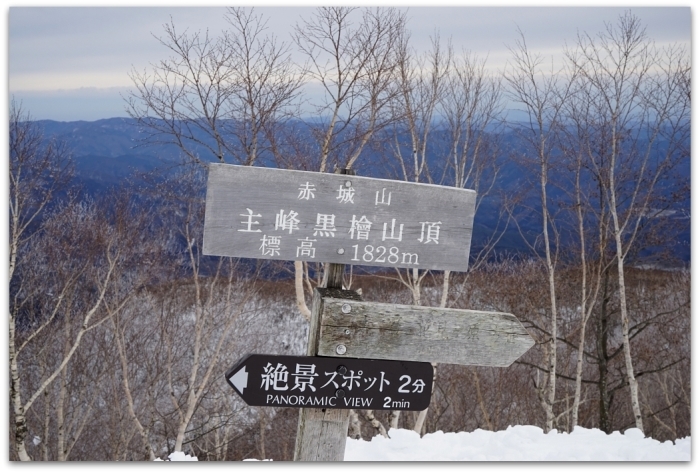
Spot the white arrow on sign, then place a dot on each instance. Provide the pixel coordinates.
(240, 380)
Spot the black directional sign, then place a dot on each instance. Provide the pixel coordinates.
(308, 381)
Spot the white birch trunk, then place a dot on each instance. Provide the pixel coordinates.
(369, 414)
(634, 390)
(552, 358)
(394, 419)
(634, 394)
(584, 314)
(445, 289)
(147, 450)
(61, 418)
(354, 431)
(480, 399)
(16, 399)
(299, 289)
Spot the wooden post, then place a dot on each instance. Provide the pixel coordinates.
(322, 433)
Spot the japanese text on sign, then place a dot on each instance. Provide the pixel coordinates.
(271, 380)
(298, 215)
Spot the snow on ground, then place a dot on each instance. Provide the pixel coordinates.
(179, 457)
(519, 443)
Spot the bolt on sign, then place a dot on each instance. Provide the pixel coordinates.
(281, 214)
(309, 381)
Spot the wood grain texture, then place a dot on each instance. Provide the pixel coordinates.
(408, 225)
(322, 433)
(413, 333)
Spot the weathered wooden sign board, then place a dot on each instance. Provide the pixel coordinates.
(311, 381)
(412, 333)
(308, 216)
(344, 219)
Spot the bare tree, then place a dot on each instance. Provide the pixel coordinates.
(37, 170)
(542, 94)
(216, 97)
(640, 97)
(355, 66)
(472, 107)
(221, 98)
(448, 110)
(67, 273)
(421, 84)
(592, 221)
(196, 318)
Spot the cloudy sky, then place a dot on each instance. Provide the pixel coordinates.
(72, 63)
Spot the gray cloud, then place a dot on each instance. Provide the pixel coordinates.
(69, 48)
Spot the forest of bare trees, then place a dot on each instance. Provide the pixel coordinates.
(120, 329)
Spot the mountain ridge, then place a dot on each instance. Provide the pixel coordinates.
(111, 152)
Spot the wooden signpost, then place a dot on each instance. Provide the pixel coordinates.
(344, 219)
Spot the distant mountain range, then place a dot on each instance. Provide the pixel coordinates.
(110, 153)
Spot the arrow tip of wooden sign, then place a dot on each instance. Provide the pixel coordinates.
(240, 380)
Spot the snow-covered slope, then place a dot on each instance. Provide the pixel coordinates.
(519, 443)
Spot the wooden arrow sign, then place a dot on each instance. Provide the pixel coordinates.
(415, 333)
(309, 381)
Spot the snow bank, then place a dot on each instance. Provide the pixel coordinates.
(179, 457)
(520, 443)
